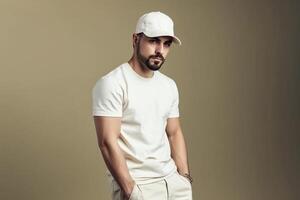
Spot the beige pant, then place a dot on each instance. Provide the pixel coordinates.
(174, 187)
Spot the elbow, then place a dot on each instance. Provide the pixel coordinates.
(174, 134)
(104, 144)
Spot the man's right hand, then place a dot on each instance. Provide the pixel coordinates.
(126, 192)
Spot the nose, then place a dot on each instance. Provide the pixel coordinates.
(159, 48)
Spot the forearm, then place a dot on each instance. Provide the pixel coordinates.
(116, 164)
(179, 152)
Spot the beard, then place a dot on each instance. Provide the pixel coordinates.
(146, 62)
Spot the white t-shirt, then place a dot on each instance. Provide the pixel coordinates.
(144, 105)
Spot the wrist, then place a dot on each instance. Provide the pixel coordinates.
(186, 175)
(128, 187)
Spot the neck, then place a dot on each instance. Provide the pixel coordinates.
(142, 71)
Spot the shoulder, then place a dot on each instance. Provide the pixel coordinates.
(114, 75)
(111, 79)
(167, 80)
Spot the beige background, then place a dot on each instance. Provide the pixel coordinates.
(237, 72)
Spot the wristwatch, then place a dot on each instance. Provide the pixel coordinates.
(188, 176)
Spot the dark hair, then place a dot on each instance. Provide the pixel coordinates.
(140, 34)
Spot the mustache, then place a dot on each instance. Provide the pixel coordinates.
(157, 57)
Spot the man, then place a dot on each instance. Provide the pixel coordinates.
(136, 115)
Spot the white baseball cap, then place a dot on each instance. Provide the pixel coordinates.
(156, 24)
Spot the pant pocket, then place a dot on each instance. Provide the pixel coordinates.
(185, 180)
(117, 193)
(134, 193)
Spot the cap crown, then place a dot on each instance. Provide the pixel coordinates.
(155, 24)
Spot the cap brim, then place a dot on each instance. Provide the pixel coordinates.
(175, 39)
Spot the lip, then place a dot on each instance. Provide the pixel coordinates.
(157, 59)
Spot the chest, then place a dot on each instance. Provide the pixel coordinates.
(148, 101)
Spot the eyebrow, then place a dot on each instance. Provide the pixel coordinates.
(157, 39)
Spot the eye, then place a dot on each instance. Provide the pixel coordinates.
(168, 44)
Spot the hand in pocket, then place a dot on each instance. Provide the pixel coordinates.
(130, 196)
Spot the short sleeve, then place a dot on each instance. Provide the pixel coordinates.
(174, 110)
(107, 98)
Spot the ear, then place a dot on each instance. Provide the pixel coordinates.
(134, 39)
